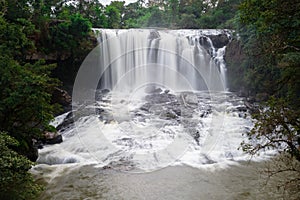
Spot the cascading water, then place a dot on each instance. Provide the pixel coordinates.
(144, 100)
(172, 58)
(147, 99)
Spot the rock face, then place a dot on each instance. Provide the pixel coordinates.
(48, 138)
(53, 138)
(234, 58)
(68, 121)
(32, 153)
(154, 35)
(62, 97)
(220, 40)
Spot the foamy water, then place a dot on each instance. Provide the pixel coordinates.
(204, 135)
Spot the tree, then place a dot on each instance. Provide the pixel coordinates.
(195, 7)
(25, 108)
(270, 31)
(15, 180)
(157, 18)
(188, 21)
(25, 102)
(114, 16)
(173, 7)
(218, 15)
(277, 127)
(136, 15)
(30, 28)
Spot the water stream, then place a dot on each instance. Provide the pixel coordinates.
(152, 120)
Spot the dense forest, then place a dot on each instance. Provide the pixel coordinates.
(43, 42)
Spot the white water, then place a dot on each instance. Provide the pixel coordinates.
(172, 58)
(138, 131)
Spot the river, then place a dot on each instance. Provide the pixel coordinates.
(153, 119)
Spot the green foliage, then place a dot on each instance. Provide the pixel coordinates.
(15, 180)
(136, 16)
(270, 33)
(30, 30)
(66, 36)
(173, 9)
(221, 16)
(13, 37)
(25, 108)
(157, 18)
(181, 14)
(270, 30)
(114, 17)
(277, 127)
(188, 21)
(94, 11)
(16, 9)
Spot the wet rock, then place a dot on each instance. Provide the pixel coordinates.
(242, 108)
(146, 107)
(99, 94)
(62, 97)
(242, 115)
(251, 107)
(53, 138)
(191, 99)
(207, 160)
(125, 142)
(105, 91)
(31, 153)
(203, 40)
(99, 111)
(192, 131)
(154, 35)
(205, 113)
(156, 109)
(220, 40)
(168, 114)
(186, 113)
(188, 122)
(37, 144)
(176, 109)
(160, 98)
(120, 165)
(229, 155)
(67, 123)
(152, 89)
(106, 117)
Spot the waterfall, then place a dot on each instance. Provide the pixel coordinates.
(180, 60)
(145, 99)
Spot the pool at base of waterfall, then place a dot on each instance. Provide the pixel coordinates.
(242, 181)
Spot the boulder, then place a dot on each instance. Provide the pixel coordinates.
(191, 99)
(154, 34)
(168, 114)
(52, 138)
(62, 97)
(68, 121)
(220, 40)
(32, 153)
(152, 89)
